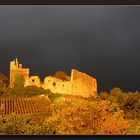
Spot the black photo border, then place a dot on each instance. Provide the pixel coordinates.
(70, 2)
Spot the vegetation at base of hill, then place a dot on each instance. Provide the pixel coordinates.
(55, 97)
(127, 101)
(75, 115)
(87, 117)
(114, 112)
(21, 125)
(22, 92)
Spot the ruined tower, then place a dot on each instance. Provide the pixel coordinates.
(16, 68)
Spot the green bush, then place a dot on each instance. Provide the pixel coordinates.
(18, 81)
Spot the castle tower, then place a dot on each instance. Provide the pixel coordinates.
(16, 68)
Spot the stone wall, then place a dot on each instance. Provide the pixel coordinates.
(32, 81)
(16, 69)
(57, 86)
(80, 84)
(83, 84)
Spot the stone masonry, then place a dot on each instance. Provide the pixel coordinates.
(79, 84)
(16, 69)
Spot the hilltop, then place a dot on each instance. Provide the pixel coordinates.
(35, 110)
(110, 113)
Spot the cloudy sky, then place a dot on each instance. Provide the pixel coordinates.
(102, 41)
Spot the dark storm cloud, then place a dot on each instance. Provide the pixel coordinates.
(102, 41)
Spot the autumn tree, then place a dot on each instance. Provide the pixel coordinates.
(131, 105)
(62, 75)
(104, 95)
(82, 116)
(3, 80)
(129, 102)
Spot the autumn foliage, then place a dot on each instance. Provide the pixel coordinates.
(113, 113)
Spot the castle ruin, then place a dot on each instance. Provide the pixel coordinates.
(16, 69)
(79, 84)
